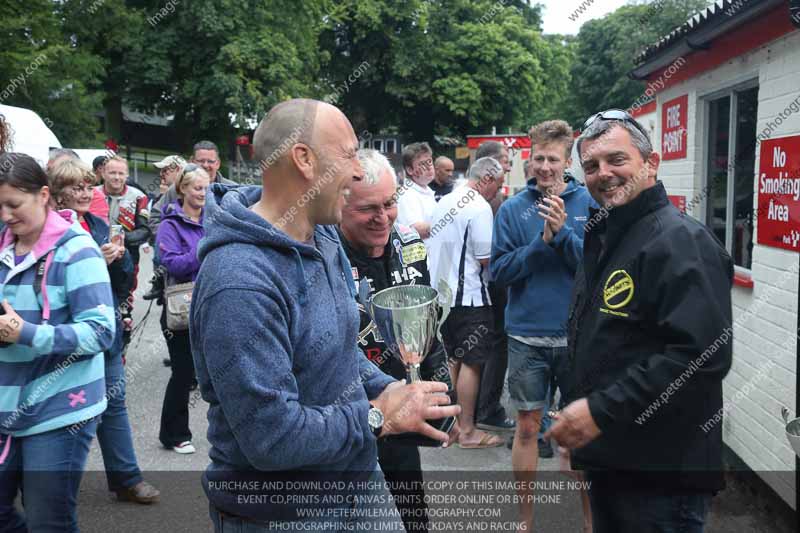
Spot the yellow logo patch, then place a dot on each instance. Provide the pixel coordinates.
(618, 290)
(413, 253)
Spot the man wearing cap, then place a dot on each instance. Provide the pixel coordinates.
(169, 169)
(205, 154)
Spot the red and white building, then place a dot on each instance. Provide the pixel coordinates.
(726, 120)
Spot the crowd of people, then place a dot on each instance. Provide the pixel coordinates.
(587, 300)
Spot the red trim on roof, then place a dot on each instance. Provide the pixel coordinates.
(649, 107)
(511, 141)
(738, 42)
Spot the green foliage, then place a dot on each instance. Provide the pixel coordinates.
(41, 68)
(606, 49)
(557, 60)
(418, 67)
(436, 67)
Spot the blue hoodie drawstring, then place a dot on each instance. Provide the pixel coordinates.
(351, 284)
(302, 273)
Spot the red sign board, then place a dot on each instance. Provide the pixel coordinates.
(678, 201)
(511, 141)
(674, 124)
(778, 212)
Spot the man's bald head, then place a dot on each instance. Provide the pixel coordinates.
(442, 160)
(443, 167)
(286, 124)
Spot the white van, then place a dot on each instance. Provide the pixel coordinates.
(29, 133)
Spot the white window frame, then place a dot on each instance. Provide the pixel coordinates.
(731, 92)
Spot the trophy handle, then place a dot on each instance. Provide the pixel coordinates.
(445, 297)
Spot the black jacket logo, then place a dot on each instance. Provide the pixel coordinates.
(618, 290)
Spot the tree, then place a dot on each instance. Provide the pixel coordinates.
(606, 49)
(216, 66)
(437, 67)
(42, 69)
(557, 60)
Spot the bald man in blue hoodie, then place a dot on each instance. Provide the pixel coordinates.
(274, 330)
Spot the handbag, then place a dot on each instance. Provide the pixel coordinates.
(178, 300)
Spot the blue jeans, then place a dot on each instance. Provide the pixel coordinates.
(379, 515)
(47, 468)
(114, 431)
(616, 510)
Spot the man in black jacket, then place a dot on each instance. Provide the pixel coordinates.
(650, 340)
(384, 254)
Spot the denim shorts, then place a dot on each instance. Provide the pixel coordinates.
(531, 369)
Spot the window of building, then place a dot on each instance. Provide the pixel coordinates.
(390, 146)
(377, 144)
(730, 173)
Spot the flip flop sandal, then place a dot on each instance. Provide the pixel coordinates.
(485, 442)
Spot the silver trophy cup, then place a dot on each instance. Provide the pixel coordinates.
(408, 318)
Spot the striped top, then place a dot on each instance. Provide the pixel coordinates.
(53, 376)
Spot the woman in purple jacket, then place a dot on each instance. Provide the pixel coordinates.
(180, 230)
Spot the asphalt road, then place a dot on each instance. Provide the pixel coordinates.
(183, 506)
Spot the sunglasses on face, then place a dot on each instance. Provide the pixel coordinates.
(615, 114)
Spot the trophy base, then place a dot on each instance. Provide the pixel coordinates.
(416, 439)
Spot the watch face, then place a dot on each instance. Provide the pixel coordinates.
(375, 418)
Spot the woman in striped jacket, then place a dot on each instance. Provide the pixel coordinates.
(58, 319)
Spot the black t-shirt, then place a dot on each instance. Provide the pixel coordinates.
(440, 190)
(404, 262)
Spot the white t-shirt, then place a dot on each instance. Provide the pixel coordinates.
(415, 204)
(461, 234)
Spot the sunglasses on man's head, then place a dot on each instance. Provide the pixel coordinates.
(190, 167)
(615, 114)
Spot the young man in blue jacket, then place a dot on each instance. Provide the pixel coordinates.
(274, 326)
(538, 243)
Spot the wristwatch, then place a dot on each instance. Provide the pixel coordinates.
(375, 420)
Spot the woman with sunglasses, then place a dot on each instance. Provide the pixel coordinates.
(71, 183)
(57, 320)
(178, 234)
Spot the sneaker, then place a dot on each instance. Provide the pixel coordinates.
(497, 424)
(184, 448)
(545, 449)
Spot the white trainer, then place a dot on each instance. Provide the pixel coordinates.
(184, 448)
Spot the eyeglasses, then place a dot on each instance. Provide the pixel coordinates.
(617, 115)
